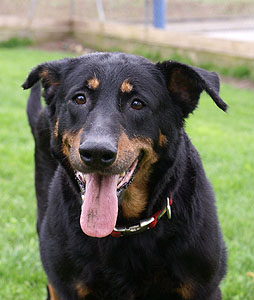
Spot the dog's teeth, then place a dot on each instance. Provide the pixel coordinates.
(83, 197)
(81, 176)
(121, 176)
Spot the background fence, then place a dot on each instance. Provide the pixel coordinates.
(125, 11)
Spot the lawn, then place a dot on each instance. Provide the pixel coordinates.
(226, 145)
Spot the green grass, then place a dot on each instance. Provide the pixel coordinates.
(226, 145)
(15, 42)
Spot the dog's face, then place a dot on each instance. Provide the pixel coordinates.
(113, 116)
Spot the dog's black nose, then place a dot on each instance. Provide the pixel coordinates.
(97, 154)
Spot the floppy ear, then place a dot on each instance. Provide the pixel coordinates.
(49, 73)
(50, 76)
(186, 83)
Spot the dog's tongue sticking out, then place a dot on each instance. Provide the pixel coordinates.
(100, 208)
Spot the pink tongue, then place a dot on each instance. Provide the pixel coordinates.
(100, 208)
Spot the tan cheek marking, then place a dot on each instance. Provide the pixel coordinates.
(93, 83)
(82, 290)
(186, 290)
(126, 148)
(136, 196)
(126, 86)
(52, 293)
(66, 145)
(70, 142)
(56, 128)
(162, 139)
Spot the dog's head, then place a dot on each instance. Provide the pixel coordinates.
(112, 118)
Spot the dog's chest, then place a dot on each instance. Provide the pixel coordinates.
(127, 277)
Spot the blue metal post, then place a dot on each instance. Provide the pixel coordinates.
(159, 13)
(100, 10)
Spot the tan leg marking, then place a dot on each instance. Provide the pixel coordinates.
(186, 290)
(82, 290)
(52, 293)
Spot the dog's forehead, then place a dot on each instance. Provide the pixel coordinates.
(114, 67)
(114, 58)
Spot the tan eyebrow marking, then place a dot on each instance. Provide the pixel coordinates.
(126, 86)
(93, 83)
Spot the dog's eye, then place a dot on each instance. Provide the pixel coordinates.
(137, 104)
(79, 99)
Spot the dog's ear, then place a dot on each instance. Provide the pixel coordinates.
(48, 73)
(185, 84)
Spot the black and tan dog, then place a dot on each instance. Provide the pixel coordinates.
(125, 210)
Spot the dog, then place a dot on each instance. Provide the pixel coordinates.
(125, 211)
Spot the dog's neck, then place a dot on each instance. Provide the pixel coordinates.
(170, 178)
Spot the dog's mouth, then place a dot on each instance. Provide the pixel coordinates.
(100, 195)
(124, 179)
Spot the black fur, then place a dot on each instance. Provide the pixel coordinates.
(181, 258)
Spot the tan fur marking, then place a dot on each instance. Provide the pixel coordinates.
(56, 128)
(126, 86)
(135, 198)
(55, 83)
(66, 145)
(82, 290)
(186, 290)
(93, 83)
(52, 293)
(70, 142)
(162, 139)
(45, 75)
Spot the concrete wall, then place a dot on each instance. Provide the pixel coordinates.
(131, 38)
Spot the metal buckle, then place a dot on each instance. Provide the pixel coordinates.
(142, 226)
(168, 209)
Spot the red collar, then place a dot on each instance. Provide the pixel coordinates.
(144, 224)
